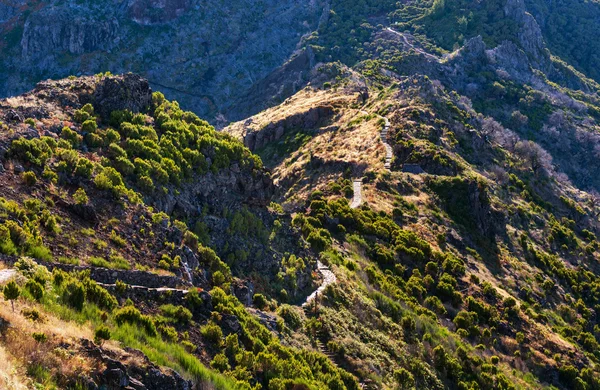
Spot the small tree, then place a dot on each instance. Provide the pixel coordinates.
(101, 334)
(11, 293)
(260, 301)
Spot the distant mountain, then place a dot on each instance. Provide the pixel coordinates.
(203, 54)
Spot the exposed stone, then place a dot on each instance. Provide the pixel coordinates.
(137, 374)
(115, 378)
(56, 30)
(127, 92)
(244, 291)
(307, 120)
(135, 277)
(230, 324)
(13, 116)
(147, 12)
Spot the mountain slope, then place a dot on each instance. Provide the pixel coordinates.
(408, 201)
(468, 255)
(95, 172)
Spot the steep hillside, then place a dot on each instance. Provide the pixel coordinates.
(472, 262)
(116, 210)
(407, 198)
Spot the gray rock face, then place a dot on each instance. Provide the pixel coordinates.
(9, 8)
(117, 375)
(204, 55)
(136, 278)
(530, 34)
(129, 92)
(56, 30)
(274, 131)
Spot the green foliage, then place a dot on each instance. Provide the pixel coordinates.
(193, 299)
(178, 314)
(36, 151)
(290, 316)
(35, 289)
(212, 333)
(74, 294)
(260, 301)
(84, 168)
(101, 334)
(11, 292)
(40, 337)
(80, 197)
(71, 136)
(132, 315)
(29, 178)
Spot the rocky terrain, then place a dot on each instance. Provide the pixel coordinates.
(401, 195)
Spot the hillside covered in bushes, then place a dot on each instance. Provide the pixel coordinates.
(412, 205)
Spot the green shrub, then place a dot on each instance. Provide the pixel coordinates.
(39, 252)
(29, 178)
(80, 197)
(168, 333)
(193, 299)
(260, 301)
(220, 363)
(35, 289)
(146, 184)
(178, 314)
(108, 179)
(99, 295)
(71, 136)
(11, 293)
(117, 240)
(212, 333)
(101, 334)
(132, 315)
(218, 278)
(74, 294)
(36, 151)
(291, 316)
(404, 378)
(89, 126)
(40, 337)
(84, 168)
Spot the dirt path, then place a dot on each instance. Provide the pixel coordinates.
(357, 200)
(388, 148)
(411, 45)
(328, 278)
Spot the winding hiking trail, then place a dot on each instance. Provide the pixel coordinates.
(411, 45)
(357, 199)
(328, 278)
(388, 148)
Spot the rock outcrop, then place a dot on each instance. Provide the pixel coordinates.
(142, 375)
(57, 30)
(128, 92)
(134, 277)
(274, 131)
